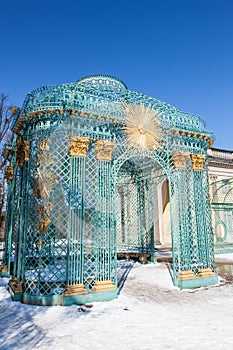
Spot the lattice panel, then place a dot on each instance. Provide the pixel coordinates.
(201, 227)
(221, 193)
(135, 207)
(174, 215)
(192, 231)
(127, 220)
(45, 269)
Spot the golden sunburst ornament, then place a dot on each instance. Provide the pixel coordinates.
(143, 127)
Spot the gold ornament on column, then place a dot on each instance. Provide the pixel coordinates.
(104, 149)
(198, 161)
(43, 225)
(22, 152)
(44, 181)
(78, 146)
(179, 159)
(9, 173)
(44, 145)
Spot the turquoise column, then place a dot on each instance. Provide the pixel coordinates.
(75, 241)
(205, 242)
(141, 214)
(182, 216)
(194, 260)
(9, 222)
(23, 163)
(105, 224)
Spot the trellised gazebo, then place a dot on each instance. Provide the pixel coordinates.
(85, 162)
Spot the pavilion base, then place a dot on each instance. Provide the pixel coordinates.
(205, 277)
(55, 300)
(90, 297)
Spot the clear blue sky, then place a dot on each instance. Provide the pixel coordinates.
(180, 51)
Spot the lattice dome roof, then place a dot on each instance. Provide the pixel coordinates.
(104, 96)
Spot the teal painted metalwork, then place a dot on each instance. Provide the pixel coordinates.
(80, 193)
(221, 193)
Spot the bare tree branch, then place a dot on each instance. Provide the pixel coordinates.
(7, 114)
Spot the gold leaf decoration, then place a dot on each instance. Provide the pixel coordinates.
(44, 181)
(143, 127)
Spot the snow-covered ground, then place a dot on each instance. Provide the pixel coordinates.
(149, 314)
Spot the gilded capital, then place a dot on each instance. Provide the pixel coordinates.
(197, 161)
(104, 149)
(179, 159)
(78, 146)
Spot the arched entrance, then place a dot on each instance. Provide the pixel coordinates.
(137, 209)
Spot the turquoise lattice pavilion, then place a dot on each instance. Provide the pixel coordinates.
(78, 192)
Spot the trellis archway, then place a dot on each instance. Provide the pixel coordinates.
(69, 153)
(136, 182)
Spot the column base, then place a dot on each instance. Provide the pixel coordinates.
(205, 277)
(15, 289)
(75, 289)
(206, 273)
(187, 275)
(103, 286)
